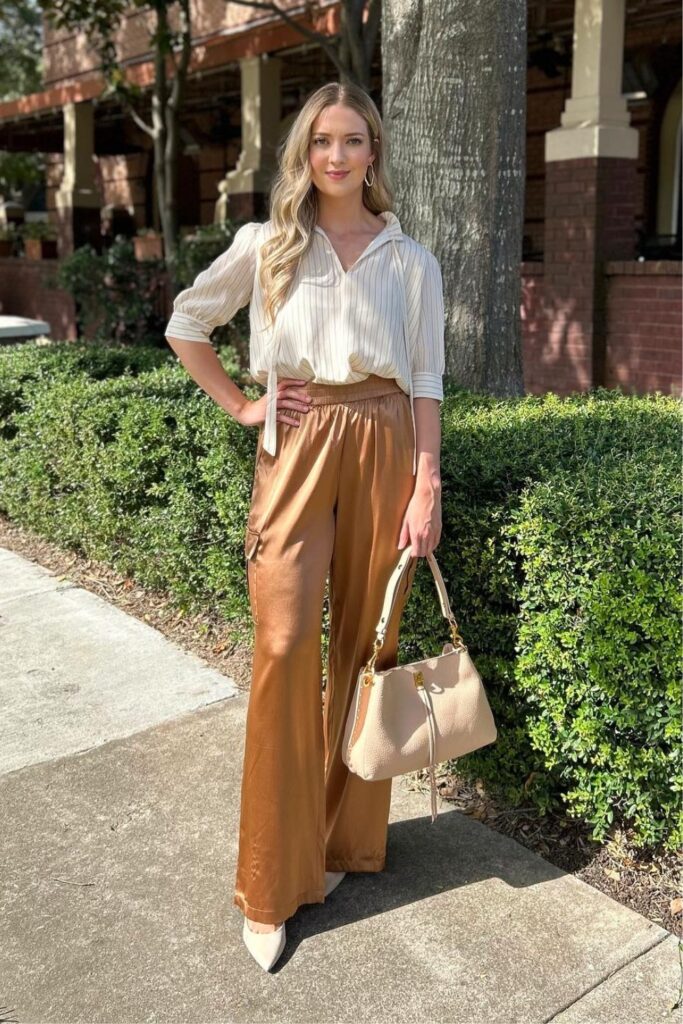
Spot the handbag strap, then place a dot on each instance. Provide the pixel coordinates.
(390, 600)
(431, 734)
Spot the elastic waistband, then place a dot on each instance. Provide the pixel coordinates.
(372, 386)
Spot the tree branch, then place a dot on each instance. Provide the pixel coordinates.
(321, 40)
(181, 66)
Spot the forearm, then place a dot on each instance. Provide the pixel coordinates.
(428, 431)
(204, 366)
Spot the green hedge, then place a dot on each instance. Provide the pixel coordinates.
(23, 368)
(140, 470)
(559, 551)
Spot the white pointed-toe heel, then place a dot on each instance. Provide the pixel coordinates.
(265, 947)
(332, 880)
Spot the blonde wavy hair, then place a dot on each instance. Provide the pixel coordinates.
(293, 199)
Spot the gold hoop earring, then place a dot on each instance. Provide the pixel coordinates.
(370, 183)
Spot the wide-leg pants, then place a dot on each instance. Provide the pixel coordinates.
(330, 501)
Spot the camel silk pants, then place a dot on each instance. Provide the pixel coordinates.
(330, 501)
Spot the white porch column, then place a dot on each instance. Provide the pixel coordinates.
(595, 121)
(242, 190)
(77, 199)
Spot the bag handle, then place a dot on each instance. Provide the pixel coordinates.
(390, 601)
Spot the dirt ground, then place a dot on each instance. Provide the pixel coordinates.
(646, 882)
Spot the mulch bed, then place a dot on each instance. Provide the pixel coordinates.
(647, 882)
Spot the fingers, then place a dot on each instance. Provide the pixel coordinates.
(285, 418)
(290, 397)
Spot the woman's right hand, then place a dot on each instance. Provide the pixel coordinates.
(288, 396)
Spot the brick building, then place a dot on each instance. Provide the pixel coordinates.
(602, 241)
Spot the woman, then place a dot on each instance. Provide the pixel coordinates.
(347, 333)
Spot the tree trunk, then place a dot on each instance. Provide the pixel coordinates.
(167, 100)
(454, 108)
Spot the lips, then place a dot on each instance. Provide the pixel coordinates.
(336, 174)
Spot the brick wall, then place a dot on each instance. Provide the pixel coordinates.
(644, 325)
(537, 355)
(68, 55)
(26, 290)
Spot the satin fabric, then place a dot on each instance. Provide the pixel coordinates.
(330, 503)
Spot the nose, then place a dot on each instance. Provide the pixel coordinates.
(337, 158)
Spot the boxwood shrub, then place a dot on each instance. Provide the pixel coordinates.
(23, 367)
(560, 553)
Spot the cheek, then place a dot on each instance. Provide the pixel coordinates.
(357, 158)
(316, 157)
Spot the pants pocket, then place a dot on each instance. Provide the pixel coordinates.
(251, 542)
(259, 445)
(251, 539)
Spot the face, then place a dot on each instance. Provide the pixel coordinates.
(340, 141)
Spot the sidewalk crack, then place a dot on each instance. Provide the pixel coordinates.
(609, 974)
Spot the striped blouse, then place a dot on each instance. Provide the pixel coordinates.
(384, 315)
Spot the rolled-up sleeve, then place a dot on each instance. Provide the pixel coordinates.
(217, 292)
(426, 323)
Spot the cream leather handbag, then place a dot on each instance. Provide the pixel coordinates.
(415, 716)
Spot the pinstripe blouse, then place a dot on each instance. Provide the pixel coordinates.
(384, 315)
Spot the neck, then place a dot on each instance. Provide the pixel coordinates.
(343, 216)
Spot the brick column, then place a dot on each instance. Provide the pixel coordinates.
(590, 201)
(590, 207)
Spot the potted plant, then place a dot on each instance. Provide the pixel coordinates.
(40, 239)
(148, 244)
(7, 240)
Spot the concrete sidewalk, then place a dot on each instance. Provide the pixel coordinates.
(121, 759)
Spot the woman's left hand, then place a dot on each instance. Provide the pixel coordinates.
(421, 525)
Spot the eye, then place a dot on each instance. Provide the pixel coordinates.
(320, 139)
